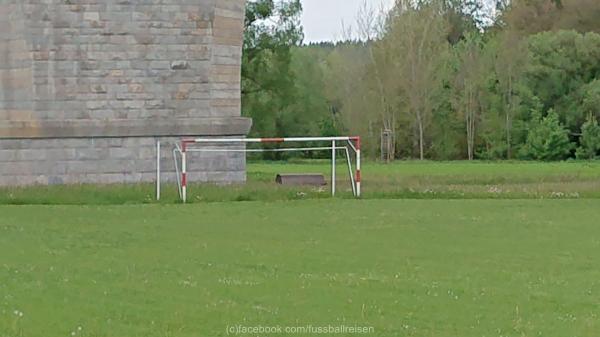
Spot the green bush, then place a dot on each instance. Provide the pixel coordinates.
(547, 139)
(590, 140)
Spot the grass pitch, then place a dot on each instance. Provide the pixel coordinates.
(401, 180)
(110, 261)
(404, 267)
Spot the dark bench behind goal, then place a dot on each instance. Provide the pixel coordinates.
(301, 179)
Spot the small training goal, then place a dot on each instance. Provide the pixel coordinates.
(348, 146)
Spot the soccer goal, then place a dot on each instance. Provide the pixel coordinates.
(348, 146)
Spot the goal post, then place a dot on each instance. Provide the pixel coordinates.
(349, 145)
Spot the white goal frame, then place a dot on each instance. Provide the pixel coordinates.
(187, 146)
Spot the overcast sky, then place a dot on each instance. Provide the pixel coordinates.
(322, 19)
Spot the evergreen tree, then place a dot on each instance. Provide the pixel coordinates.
(590, 140)
(547, 139)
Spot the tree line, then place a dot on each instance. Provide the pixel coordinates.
(443, 79)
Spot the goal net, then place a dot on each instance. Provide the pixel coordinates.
(349, 147)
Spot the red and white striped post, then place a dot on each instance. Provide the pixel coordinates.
(184, 171)
(358, 159)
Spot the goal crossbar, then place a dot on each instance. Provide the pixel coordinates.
(268, 140)
(190, 145)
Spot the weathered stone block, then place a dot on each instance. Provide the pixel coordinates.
(86, 87)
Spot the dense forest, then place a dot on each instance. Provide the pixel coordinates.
(433, 79)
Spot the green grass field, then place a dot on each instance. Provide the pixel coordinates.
(402, 180)
(446, 259)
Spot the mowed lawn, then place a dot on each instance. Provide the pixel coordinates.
(452, 180)
(405, 267)
(400, 180)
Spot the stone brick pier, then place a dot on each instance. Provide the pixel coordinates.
(88, 86)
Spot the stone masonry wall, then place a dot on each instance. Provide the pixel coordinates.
(108, 161)
(86, 86)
